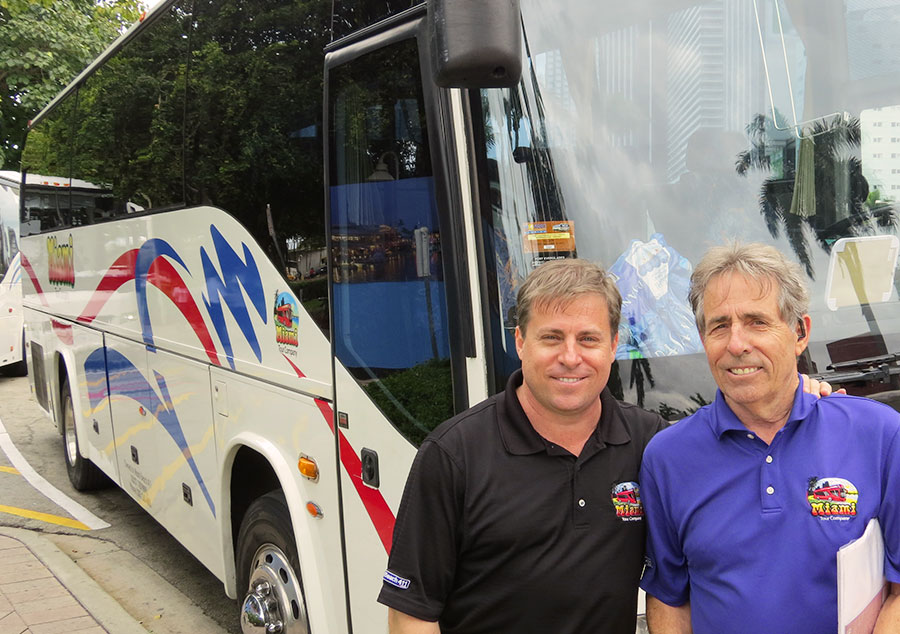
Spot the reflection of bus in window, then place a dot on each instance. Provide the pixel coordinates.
(12, 325)
(286, 272)
(52, 202)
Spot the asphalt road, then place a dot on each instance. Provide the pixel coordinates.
(135, 559)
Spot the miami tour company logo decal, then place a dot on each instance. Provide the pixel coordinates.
(832, 498)
(286, 331)
(61, 261)
(626, 498)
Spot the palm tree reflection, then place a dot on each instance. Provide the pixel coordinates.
(836, 203)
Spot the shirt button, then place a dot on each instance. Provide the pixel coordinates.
(769, 459)
(751, 436)
(770, 490)
(580, 502)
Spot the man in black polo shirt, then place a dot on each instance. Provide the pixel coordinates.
(523, 514)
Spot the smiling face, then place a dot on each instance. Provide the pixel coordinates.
(752, 352)
(566, 351)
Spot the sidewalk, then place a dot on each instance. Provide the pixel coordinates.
(42, 591)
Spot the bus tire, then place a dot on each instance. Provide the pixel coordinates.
(268, 569)
(83, 474)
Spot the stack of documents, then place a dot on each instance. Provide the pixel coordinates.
(861, 583)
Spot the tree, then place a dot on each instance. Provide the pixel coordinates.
(44, 44)
(829, 181)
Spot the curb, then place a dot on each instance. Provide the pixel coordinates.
(99, 604)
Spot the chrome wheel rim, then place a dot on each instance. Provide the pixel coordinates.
(69, 431)
(274, 602)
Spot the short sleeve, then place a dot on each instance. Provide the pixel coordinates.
(889, 514)
(422, 562)
(665, 567)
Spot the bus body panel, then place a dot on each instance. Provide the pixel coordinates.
(369, 512)
(151, 367)
(95, 436)
(12, 333)
(11, 318)
(166, 447)
(282, 425)
(211, 299)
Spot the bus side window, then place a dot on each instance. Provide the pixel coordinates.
(253, 137)
(47, 159)
(128, 149)
(390, 312)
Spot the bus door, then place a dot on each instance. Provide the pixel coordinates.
(391, 291)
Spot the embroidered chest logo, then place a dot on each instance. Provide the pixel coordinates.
(626, 498)
(831, 498)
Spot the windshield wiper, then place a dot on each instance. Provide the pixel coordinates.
(869, 370)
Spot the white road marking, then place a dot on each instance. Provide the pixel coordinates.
(38, 482)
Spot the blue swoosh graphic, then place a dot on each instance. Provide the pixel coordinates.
(147, 254)
(126, 380)
(236, 273)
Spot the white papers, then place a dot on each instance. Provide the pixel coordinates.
(861, 584)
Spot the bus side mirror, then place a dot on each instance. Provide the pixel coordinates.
(475, 43)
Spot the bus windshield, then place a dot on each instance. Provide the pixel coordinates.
(642, 138)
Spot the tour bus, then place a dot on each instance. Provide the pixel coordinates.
(434, 155)
(12, 325)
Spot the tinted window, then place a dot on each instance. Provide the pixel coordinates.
(129, 122)
(47, 158)
(253, 135)
(390, 311)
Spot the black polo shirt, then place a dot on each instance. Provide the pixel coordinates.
(500, 530)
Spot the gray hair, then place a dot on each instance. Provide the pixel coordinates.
(760, 262)
(561, 282)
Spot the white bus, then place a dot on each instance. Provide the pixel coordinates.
(269, 422)
(12, 325)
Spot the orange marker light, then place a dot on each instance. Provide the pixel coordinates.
(313, 509)
(308, 468)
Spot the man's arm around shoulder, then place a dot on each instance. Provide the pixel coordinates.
(402, 623)
(663, 618)
(889, 617)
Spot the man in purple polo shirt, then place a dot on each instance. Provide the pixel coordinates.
(737, 539)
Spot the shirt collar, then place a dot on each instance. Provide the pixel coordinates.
(520, 438)
(724, 419)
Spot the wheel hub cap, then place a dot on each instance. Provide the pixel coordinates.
(274, 601)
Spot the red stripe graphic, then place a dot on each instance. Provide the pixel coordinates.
(34, 280)
(121, 271)
(63, 331)
(376, 506)
(164, 277)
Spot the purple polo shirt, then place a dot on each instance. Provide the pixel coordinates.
(747, 532)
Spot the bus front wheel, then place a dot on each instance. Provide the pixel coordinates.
(83, 474)
(268, 569)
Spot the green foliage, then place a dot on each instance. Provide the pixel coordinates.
(313, 294)
(415, 400)
(314, 288)
(672, 413)
(207, 107)
(44, 44)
